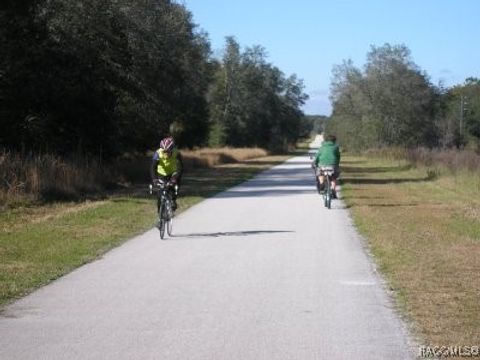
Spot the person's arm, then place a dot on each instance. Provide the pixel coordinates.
(337, 150)
(317, 156)
(153, 167)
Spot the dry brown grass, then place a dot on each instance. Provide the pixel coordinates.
(25, 178)
(425, 235)
(453, 160)
(207, 157)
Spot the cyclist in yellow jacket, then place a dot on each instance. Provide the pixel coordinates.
(167, 164)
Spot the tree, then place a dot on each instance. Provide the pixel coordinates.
(471, 108)
(251, 101)
(401, 96)
(390, 103)
(23, 38)
(461, 120)
(101, 77)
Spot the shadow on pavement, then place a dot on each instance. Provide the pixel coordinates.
(270, 192)
(231, 233)
(388, 205)
(379, 169)
(369, 181)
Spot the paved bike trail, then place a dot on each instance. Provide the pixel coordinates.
(261, 271)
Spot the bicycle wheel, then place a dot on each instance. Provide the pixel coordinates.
(161, 219)
(328, 192)
(162, 229)
(317, 183)
(169, 227)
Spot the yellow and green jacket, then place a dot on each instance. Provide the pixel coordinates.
(162, 165)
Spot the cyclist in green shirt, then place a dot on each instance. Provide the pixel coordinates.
(328, 155)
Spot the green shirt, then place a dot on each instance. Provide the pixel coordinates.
(327, 154)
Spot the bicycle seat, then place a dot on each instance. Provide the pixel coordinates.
(327, 169)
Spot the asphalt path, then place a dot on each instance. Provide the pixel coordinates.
(261, 271)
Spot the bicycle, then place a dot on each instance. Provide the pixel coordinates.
(327, 172)
(165, 210)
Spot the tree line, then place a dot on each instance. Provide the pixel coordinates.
(392, 102)
(106, 77)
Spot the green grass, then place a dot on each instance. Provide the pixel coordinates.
(422, 226)
(41, 243)
(34, 253)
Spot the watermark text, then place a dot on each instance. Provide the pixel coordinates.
(449, 351)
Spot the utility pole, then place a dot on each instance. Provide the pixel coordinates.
(461, 115)
(463, 108)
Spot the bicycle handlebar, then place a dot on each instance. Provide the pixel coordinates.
(160, 184)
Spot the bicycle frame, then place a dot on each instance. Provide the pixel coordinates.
(164, 206)
(327, 172)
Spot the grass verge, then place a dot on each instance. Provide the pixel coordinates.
(423, 228)
(41, 243)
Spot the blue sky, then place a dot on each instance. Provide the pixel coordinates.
(309, 37)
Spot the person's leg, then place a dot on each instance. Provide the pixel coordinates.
(321, 180)
(177, 186)
(336, 173)
(176, 180)
(334, 188)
